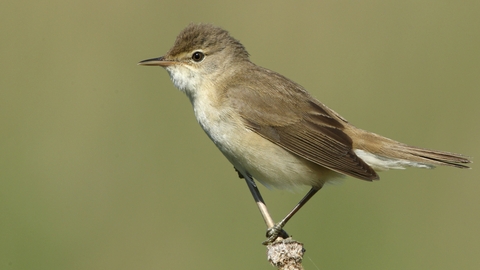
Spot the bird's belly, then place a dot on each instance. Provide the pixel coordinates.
(267, 162)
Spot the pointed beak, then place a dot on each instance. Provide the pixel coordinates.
(160, 61)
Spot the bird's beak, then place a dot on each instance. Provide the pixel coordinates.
(160, 61)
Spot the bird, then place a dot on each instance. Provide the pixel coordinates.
(271, 129)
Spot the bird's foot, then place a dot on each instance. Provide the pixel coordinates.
(274, 232)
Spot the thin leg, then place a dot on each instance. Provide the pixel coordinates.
(259, 200)
(261, 204)
(274, 231)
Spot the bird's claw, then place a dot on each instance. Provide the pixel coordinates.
(274, 232)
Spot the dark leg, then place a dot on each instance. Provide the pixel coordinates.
(274, 231)
(258, 199)
(261, 203)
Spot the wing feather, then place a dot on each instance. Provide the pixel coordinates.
(290, 118)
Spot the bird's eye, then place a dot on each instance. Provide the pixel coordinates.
(198, 56)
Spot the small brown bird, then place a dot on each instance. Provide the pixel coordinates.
(270, 128)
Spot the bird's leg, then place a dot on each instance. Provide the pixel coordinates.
(258, 199)
(261, 204)
(274, 231)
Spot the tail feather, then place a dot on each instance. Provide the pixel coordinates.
(433, 157)
(382, 154)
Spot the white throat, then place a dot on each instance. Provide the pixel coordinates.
(185, 79)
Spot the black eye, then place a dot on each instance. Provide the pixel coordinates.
(198, 56)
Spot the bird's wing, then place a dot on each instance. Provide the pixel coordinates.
(289, 117)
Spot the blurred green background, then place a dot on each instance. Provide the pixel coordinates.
(103, 166)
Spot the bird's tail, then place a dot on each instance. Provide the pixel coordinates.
(382, 154)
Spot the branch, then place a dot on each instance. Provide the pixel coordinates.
(286, 254)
